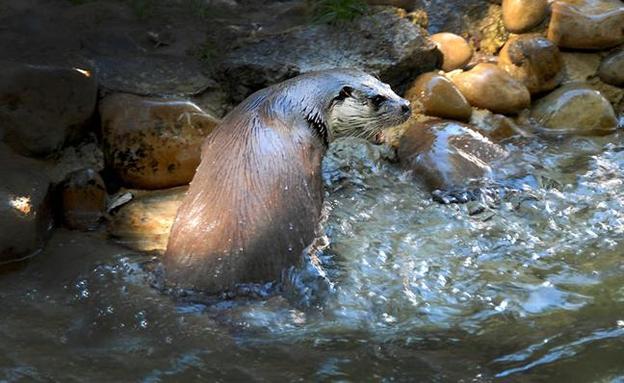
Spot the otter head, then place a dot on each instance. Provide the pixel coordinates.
(363, 106)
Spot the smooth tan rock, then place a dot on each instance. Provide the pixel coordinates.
(436, 96)
(534, 61)
(520, 16)
(587, 24)
(43, 107)
(447, 154)
(487, 86)
(25, 209)
(575, 109)
(611, 69)
(84, 198)
(145, 222)
(455, 50)
(153, 143)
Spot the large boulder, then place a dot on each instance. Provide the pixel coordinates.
(383, 42)
(25, 213)
(153, 143)
(42, 107)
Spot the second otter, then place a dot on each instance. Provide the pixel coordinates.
(256, 198)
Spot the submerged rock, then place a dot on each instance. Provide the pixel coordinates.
(532, 60)
(447, 155)
(382, 43)
(611, 69)
(42, 107)
(487, 86)
(84, 199)
(153, 143)
(577, 109)
(455, 50)
(520, 16)
(587, 24)
(436, 96)
(25, 211)
(144, 223)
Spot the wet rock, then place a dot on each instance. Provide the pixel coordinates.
(520, 16)
(434, 95)
(153, 143)
(587, 24)
(383, 43)
(495, 126)
(455, 50)
(25, 214)
(145, 222)
(487, 86)
(152, 75)
(576, 109)
(43, 107)
(84, 199)
(447, 155)
(534, 61)
(611, 69)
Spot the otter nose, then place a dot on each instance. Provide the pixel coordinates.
(405, 107)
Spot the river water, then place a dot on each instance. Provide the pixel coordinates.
(525, 286)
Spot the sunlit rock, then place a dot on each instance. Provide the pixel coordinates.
(534, 61)
(446, 154)
(587, 24)
(384, 43)
(434, 95)
(576, 109)
(84, 198)
(611, 69)
(153, 143)
(520, 16)
(487, 86)
(455, 50)
(43, 107)
(25, 213)
(144, 223)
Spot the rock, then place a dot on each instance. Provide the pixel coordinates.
(446, 154)
(152, 75)
(382, 43)
(577, 109)
(495, 126)
(145, 222)
(587, 24)
(611, 69)
(153, 143)
(487, 86)
(455, 50)
(580, 66)
(534, 61)
(436, 96)
(43, 107)
(520, 16)
(84, 198)
(25, 213)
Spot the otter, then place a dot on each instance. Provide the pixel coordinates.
(255, 201)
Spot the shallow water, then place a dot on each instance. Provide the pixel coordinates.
(527, 287)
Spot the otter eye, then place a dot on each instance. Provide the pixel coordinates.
(378, 100)
(345, 92)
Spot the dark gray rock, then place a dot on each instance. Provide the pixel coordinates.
(381, 43)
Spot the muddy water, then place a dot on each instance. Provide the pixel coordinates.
(526, 286)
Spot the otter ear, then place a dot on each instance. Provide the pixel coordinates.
(345, 92)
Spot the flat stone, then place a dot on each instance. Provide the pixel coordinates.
(42, 107)
(587, 24)
(383, 43)
(434, 95)
(153, 143)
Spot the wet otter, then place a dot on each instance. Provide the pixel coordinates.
(255, 201)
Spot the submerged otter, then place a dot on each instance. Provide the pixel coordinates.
(255, 201)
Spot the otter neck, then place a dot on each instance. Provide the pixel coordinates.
(318, 125)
